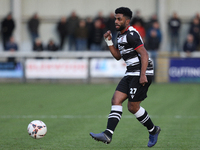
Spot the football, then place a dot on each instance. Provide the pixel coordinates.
(37, 129)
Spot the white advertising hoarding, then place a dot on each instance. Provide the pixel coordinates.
(56, 68)
(107, 68)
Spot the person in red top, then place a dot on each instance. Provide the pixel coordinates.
(140, 29)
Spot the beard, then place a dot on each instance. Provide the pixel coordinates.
(122, 27)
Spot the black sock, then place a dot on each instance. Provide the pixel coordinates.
(143, 117)
(113, 119)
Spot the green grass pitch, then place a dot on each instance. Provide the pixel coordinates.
(71, 111)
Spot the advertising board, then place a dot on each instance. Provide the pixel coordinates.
(56, 68)
(106, 67)
(11, 70)
(184, 70)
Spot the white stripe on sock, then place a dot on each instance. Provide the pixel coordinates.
(115, 114)
(145, 119)
(114, 117)
(110, 131)
(152, 129)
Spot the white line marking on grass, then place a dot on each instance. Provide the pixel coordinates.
(88, 116)
(50, 116)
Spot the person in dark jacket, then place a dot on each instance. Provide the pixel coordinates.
(89, 25)
(96, 36)
(153, 41)
(33, 26)
(72, 24)
(153, 18)
(62, 31)
(11, 46)
(195, 31)
(153, 44)
(110, 25)
(81, 35)
(7, 28)
(174, 24)
(51, 46)
(189, 45)
(155, 27)
(38, 46)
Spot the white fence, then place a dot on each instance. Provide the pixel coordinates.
(60, 65)
(82, 65)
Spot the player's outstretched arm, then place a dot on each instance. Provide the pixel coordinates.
(108, 39)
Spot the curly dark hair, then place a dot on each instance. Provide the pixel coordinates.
(125, 11)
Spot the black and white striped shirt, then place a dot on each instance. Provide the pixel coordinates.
(127, 43)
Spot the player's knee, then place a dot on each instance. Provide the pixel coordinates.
(114, 101)
(118, 98)
(133, 109)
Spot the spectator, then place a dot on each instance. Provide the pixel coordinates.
(38, 46)
(137, 18)
(72, 24)
(103, 27)
(81, 36)
(153, 44)
(174, 24)
(7, 28)
(110, 25)
(33, 26)
(149, 24)
(62, 31)
(195, 31)
(140, 29)
(89, 24)
(189, 45)
(51, 46)
(102, 19)
(153, 41)
(197, 16)
(11, 46)
(96, 36)
(156, 27)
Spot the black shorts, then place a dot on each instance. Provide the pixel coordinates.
(131, 86)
